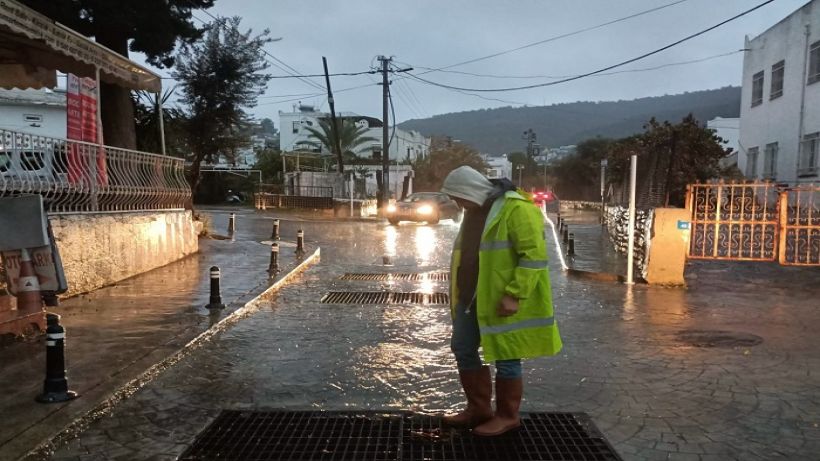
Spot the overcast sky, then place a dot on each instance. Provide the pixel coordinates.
(437, 33)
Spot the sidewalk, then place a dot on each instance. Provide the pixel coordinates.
(116, 333)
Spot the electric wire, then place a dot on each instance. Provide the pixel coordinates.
(557, 37)
(588, 74)
(643, 69)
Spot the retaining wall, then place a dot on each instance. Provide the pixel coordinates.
(99, 249)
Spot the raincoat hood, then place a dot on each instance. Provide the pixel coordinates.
(468, 184)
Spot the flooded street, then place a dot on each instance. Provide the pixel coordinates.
(645, 363)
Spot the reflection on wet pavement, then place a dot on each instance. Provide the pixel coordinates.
(653, 395)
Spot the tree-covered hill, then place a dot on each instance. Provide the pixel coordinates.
(496, 131)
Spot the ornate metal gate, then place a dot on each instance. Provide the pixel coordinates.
(733, 221)
(755, 222)
(800, 226)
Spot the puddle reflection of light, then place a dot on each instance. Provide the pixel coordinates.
(390, 239)
(425, 244)
(409, 357)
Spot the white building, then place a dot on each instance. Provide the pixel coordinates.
(729, 130)
(780, 103)
(405, 145)
(41, 112)
(498, 167)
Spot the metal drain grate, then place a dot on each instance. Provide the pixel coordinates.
(392, 436)
(413, 277)
(384, 297)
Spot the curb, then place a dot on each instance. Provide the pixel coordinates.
(81, 423)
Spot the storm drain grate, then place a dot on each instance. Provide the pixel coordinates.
(384, 297)
(402, 276)
(391, 436)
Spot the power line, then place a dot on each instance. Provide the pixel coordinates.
(340, 74)
(287, 68)
(558, 37)
(644, 69)
(620, 64)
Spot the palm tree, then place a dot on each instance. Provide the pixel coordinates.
(350, 137)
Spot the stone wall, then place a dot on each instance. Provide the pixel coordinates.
(99, 249)
(617, 224)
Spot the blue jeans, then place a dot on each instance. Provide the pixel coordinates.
(465, 342)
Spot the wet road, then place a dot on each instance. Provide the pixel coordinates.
(630, 359)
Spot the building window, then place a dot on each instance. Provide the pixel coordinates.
(751, 162)
(807, 165)
(757, 89)
(295, 127)
(777, 80)
(376, 151)
(770, 162)
(814, 62)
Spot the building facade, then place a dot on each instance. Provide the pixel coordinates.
(404, 146)
(780, 102)
(40, 112)
(498, 167)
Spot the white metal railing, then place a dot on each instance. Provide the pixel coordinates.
(77, 176)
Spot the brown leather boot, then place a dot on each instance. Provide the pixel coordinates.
(478, 386)
(508, 394)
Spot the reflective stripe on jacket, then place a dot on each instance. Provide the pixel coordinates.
(512, 260)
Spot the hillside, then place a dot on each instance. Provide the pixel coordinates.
(499, 130)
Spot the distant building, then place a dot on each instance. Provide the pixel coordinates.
(41, 112)
(405, 145)
(498, 167)
(554, 154)
(780, 103)
(729, 130)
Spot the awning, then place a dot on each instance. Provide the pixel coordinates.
(32, 46)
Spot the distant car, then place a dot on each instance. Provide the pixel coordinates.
(430, 207)
(543, 196)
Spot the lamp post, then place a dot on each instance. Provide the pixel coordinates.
(520, 169)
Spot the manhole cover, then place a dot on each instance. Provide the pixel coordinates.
(413, 277)
(718, 338)
(384, 297)
(391, 436)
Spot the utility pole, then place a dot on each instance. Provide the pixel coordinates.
(385, 192)
(336, 142)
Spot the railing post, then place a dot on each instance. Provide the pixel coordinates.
(717, 219)
(783, 223)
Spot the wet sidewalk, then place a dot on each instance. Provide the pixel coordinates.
(117, 333)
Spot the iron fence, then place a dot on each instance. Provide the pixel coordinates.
(755, 222)
(75, 176)
(296, 190)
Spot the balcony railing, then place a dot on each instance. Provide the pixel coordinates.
(74, 176)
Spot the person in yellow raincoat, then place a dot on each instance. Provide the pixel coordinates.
(500, 297)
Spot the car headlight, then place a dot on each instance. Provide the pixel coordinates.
(391, 208)
(425, 209)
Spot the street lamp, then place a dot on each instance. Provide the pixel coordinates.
(520, 169)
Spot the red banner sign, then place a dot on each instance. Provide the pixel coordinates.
(81, 116)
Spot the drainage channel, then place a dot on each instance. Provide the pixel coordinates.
(385, 297)
(402, 276)
(391, 436)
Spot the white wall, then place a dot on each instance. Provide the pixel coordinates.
(402, 143)
(778, 120)
(53, 124)
(498, 167)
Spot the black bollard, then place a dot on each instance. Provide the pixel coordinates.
(300, 241)
(566, 234)
(216, 297)
(274, 235)
(560, 225)
(55, 387)
(273, 267)
(232, 224)
(571, 245)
